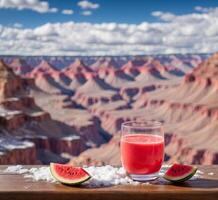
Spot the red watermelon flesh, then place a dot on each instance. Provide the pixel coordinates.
(69, 174)
(180, 173)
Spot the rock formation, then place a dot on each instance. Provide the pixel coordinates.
(76, 112)
(26, 129)
(20, 66)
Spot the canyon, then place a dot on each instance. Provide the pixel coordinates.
(70, 109)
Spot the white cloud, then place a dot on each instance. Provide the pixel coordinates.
(85, 4)
(86, 12)
(166, 16)
(18, 25)
(203, 9)
(35, 5)
(188, 33)
(67, 12)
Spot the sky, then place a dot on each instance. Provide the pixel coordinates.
(108, 27)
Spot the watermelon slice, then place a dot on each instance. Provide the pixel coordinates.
(179, 173)
(67, 174)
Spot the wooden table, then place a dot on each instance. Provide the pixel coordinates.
(15, 187)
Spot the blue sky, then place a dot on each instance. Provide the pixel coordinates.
(119, 11)
(108, 27)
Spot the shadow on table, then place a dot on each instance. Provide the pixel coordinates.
(199, 183)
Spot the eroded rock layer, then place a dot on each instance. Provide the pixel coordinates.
(75, 113)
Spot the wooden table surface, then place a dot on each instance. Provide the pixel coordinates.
(15, 187)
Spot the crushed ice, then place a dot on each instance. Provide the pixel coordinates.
(210, 173)
(40, 174)
(16, 169)
(101, 176)
(108, 176)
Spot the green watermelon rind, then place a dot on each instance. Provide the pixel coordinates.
(67, 181)
(184, 178)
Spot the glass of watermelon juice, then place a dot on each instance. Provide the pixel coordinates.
(142, 149)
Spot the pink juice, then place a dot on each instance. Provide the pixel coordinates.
(142, 153)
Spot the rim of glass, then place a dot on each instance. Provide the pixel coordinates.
(151, 124)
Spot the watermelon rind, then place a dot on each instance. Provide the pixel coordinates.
(180, 179)
(67, 181)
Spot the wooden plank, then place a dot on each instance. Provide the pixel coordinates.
(15, 187)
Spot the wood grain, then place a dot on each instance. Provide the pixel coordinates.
(15, 187)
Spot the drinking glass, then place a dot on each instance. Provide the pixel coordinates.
(142, 149)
